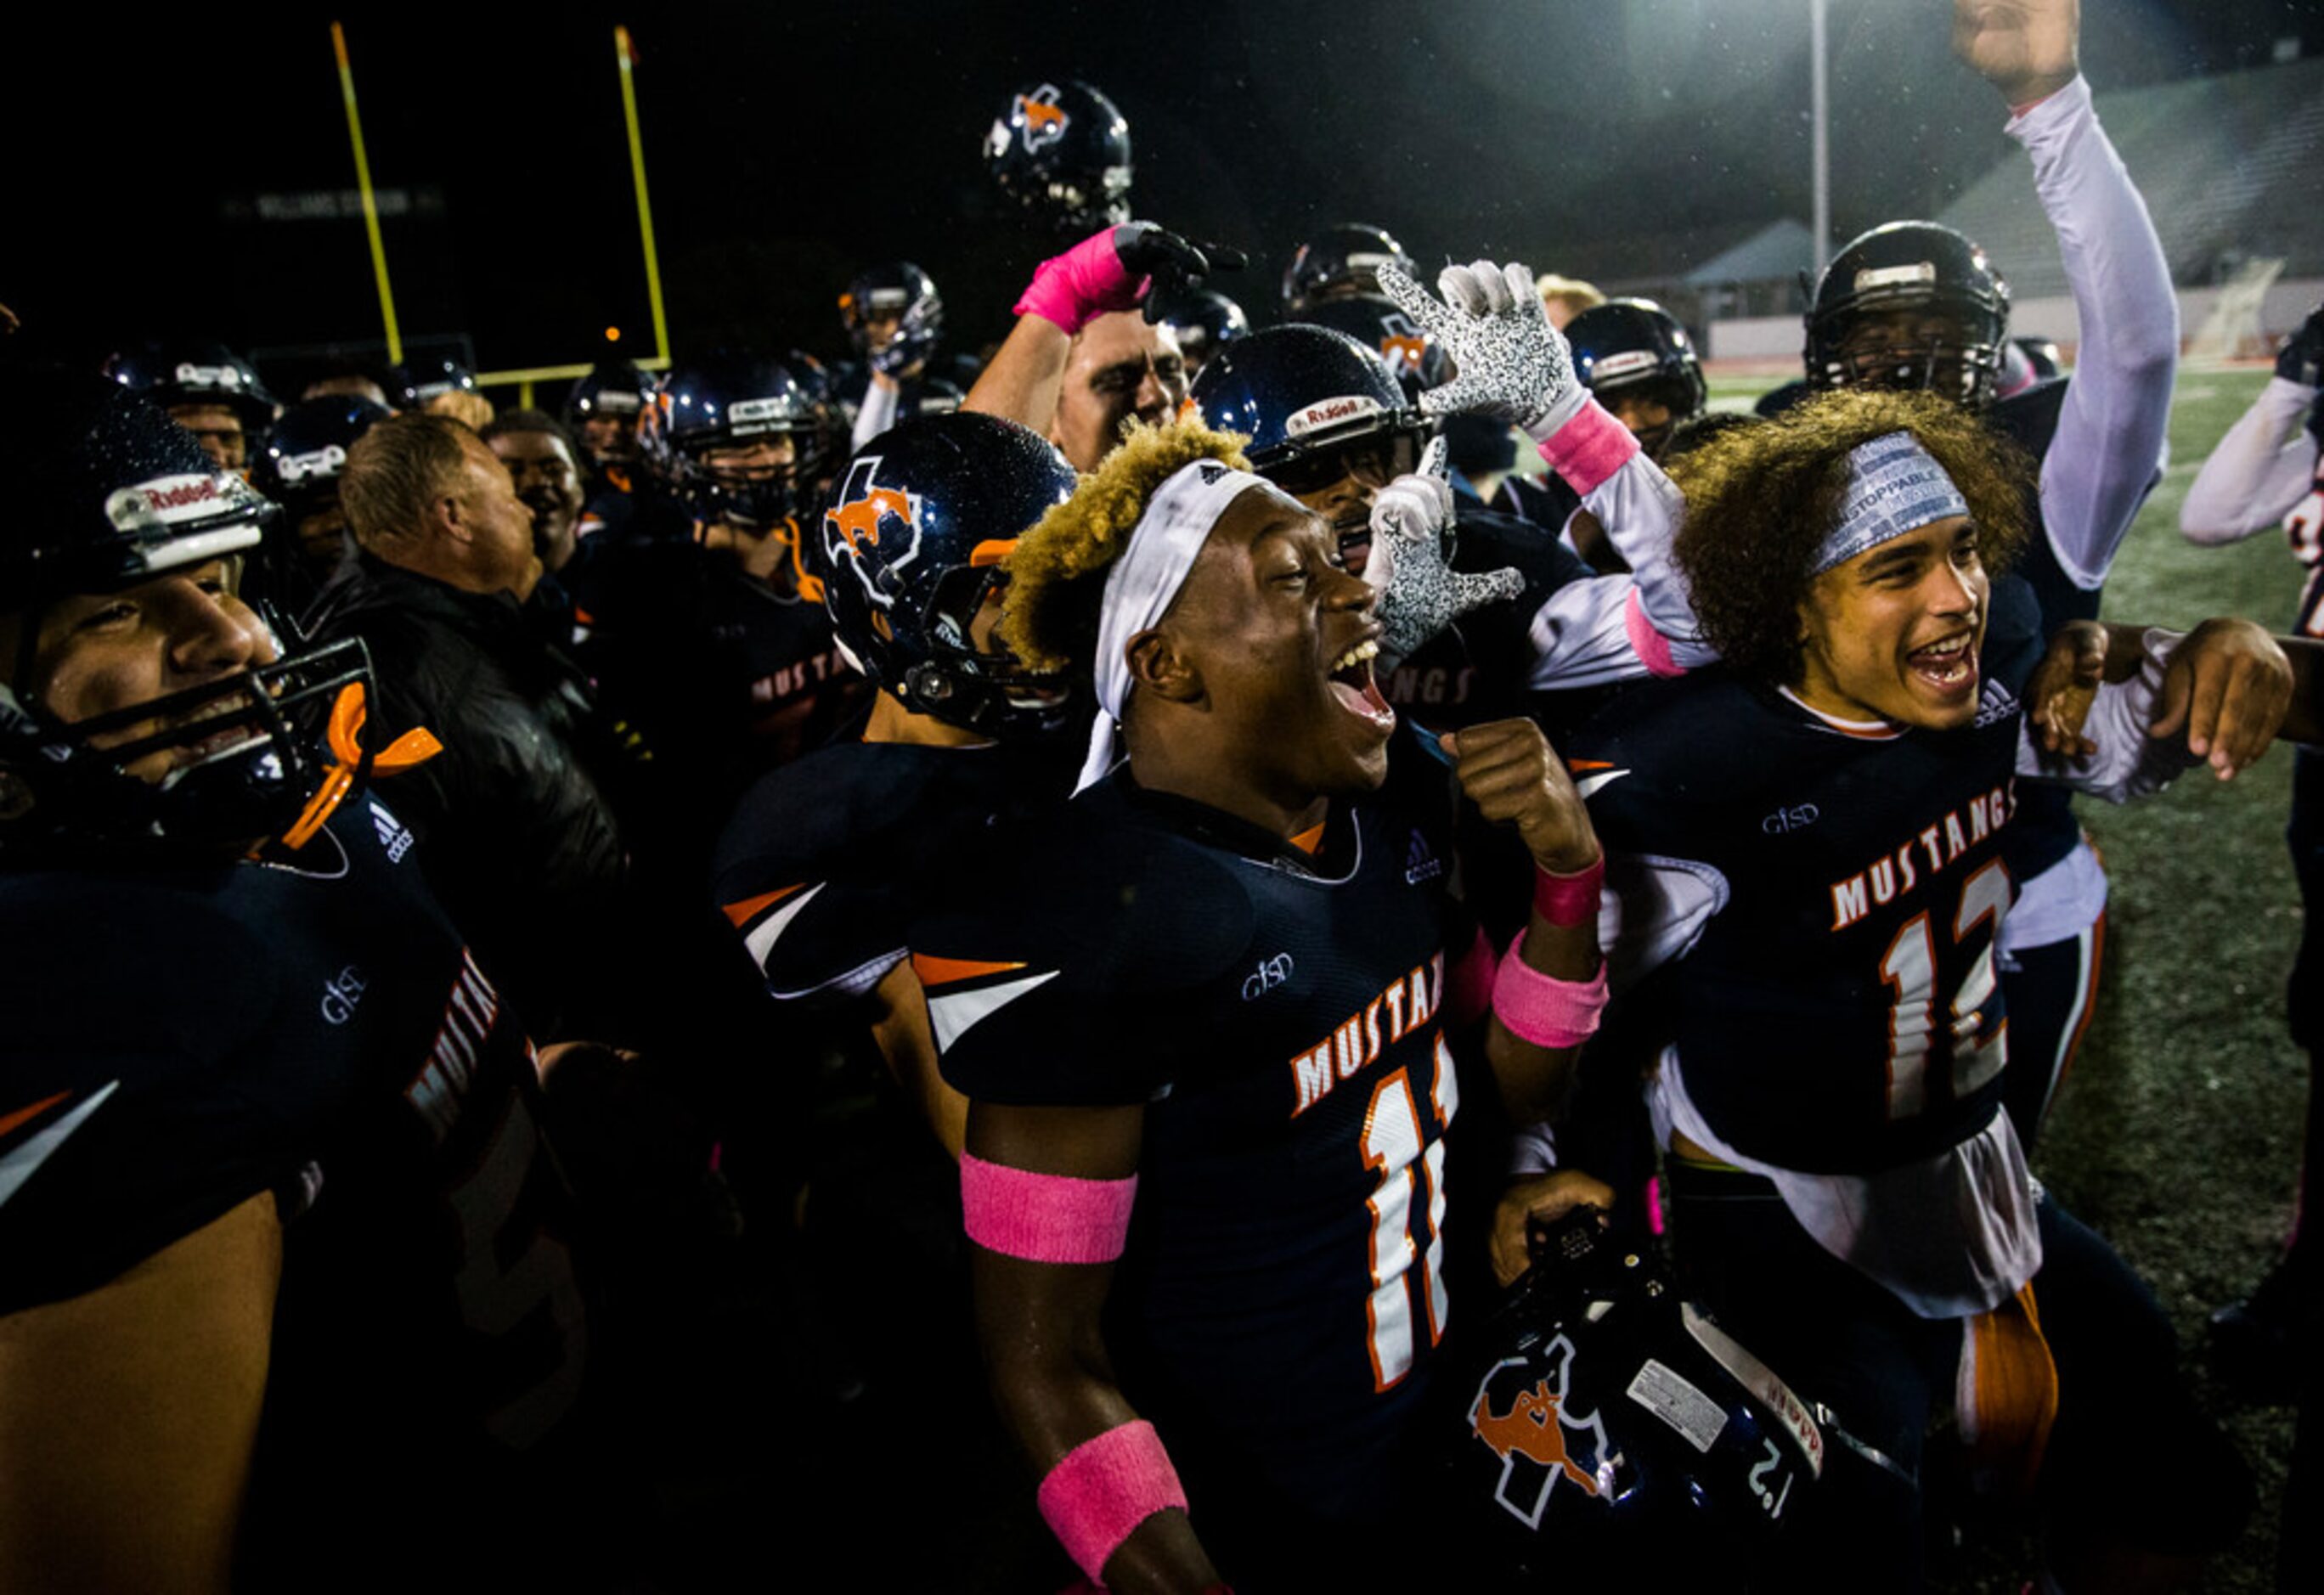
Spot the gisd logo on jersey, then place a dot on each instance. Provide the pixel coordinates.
(1519, 1415)
(1040, 120)
(866, 519)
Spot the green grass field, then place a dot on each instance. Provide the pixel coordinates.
(2178, 1134)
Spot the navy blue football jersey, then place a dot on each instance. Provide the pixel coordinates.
(1279, 1013)
(1858, 883)
(2305, 529)
(182, 1039)
(825, 857)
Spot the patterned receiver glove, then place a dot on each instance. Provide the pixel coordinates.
(1419, 594)
(1514, 365)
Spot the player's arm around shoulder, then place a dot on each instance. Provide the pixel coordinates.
(1045, 1194)
(128, 1415)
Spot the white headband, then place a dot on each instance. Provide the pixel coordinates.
(1893, 487)
(1145, 581)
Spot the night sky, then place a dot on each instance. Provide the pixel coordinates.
(788, 145)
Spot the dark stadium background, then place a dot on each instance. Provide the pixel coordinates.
(787, 145)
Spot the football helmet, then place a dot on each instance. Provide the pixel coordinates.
(1204, 320)
(732, 400)
(898, 290)
(615, 392)
(909, 549)
(307, 451)
(1060, 152)
(1344, 259)
(1873, 315)
(1419, 361)
(1603, 1426)
(112, 493)
(1634, 347)
(415, 383)
(197, 373)
(1313, 403)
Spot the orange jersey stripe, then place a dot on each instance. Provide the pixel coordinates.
(1310, 839)
(943, 972)
(9, 1122)
(748, 908)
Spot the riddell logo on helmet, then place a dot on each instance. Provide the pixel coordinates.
(1040, 120)
(163, 501)
(1539, 1443)
(1330, 412)
(867, 517)
(189, 375)
(326, 461)
(1920, 274)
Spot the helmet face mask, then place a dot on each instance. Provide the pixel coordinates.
(1343, 259)
(741, 440)
(118, 500)
(1910, 306)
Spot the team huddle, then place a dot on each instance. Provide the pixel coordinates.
(1422, 1020)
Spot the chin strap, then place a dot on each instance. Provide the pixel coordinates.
(416, 746)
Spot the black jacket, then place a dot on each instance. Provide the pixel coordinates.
(518, 834)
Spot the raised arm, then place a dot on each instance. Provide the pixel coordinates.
(2112, 434)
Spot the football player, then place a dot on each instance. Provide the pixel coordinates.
(306, 453)
(208, 389)
(894, 318)
(284, 1234)
(1202, 321)
(546, 465)
(1816, 930)
(820, 857)
(717, 647)
(2267, 471)
(1913, 305)
(1214, 1021)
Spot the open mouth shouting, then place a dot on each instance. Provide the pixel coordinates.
(1351, 677)
(1948, 668)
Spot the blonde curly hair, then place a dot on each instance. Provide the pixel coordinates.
(1057, 571)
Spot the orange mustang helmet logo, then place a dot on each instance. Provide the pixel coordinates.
(1530, 1428)
(1542, 1445)
(1042, 119)
(1406, 351)
(871, 529)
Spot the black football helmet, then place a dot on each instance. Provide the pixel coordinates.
(197, 373)
(1604, 1426)
(109, 493)
(1344, 259)
(307, 451)
(1204, 320)
(1925, 273)
(733, 400)
(1308, 398)
(414, 384)
(1419, 361)
(898, 288)
(1633, 347)
(1060, 152)
(910, 547)
(611, 389)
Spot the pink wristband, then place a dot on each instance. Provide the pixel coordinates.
(1544, 1009)
(1044, 1218)
(1588, 448)
(1086, 281)
(1653, 648)
(1567, 900)
(1100, 1491)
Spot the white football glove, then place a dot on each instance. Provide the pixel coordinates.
(1513, 364)
(1419, 594)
